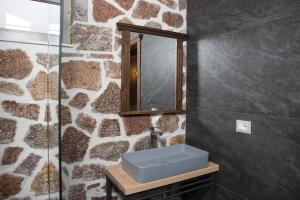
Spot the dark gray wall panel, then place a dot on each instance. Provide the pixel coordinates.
(244, 63)
(264, 165)
(251, 70)
(219, 16)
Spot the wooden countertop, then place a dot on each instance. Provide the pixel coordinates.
(128, 185)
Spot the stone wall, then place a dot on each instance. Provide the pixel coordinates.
(94, 135)
(28, 122)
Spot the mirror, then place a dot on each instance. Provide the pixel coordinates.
(151, 70)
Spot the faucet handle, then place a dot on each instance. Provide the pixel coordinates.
(159, 133)
(154, 136)
(153, 127)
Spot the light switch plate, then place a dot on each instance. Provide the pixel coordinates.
(243, 126)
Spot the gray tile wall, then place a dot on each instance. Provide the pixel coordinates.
(244, 63)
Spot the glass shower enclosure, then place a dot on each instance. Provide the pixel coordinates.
(59, 99)
(46, 113)
(29, 94)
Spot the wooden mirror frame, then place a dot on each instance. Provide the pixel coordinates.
(125, 67)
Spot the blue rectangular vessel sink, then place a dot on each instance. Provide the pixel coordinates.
(153, 164)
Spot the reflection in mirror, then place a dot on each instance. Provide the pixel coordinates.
(153, 62)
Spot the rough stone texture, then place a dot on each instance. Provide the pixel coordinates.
(88, 172)
(45, 86)
(47, 60)
(11, 154)
(42, 137)
(85, 106)
(79, 10)
(81, 74)
(92, 186)
(29, 111)
(64, 55)
(7, 130)
(77, 192)
(126, 4)
(66, 117)
(112, 69)
(109, 101)
(153, 24)
(14, 63)
(86, 122)
(173, 19)
(74, 145)
(11, 88)
(92, 38)
(101, 56)
(65, 170)
(168, 123)
(28, 165)
(79, 100)
(178, 139)
(182, 4)
(103, 11)
(170, 3)
(41, 183)
(137, 124)
(145, 10)
(9, 185)
(47, 117)
(111, 151)
(109, 128)
(84, 55)
(143, 143)
(124, 20)
(118, 41)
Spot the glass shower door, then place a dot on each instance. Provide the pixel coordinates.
(29, 35)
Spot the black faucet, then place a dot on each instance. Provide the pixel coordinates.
(153, 137)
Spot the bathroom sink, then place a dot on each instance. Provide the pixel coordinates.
(152, 164)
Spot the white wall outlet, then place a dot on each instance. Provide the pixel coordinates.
(243, 126)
